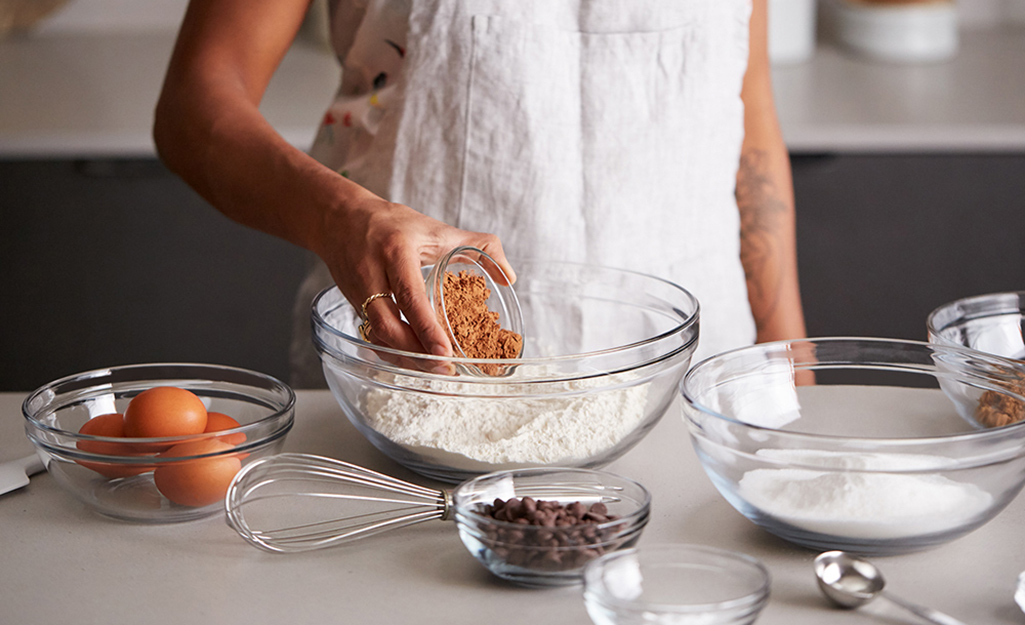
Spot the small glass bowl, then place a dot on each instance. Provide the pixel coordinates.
(115, 476)
(675, 585)
(502, 297)
(990, 323)
(533, 555)
(864, 445)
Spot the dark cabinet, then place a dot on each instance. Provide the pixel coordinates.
(112, 262)
(885, 239)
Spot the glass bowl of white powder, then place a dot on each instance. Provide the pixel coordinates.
(604, 351)
(865, 445)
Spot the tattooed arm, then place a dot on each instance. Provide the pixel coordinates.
(765, 197)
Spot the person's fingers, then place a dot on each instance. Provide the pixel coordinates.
(407, 280)
(387, 328)
(492, 246)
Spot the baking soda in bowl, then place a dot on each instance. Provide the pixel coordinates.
(862, 502)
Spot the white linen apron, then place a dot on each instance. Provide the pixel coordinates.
(599, 131)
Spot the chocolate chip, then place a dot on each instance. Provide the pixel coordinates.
(565, 539)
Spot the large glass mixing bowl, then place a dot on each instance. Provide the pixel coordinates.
(604, 352)
(865, 445)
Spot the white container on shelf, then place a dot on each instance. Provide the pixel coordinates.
(791, 31)
(902, 32)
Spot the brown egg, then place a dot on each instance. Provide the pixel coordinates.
(218, 421)
(111, 426)
(201, 481)
(165, 411)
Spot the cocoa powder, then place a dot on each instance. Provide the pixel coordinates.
(474, 326)
(998, 409)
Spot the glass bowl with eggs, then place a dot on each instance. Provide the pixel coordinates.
(872, 446)
(603, 353)
(156, 443)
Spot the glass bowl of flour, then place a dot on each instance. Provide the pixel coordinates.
(865, 445)
(604, 352)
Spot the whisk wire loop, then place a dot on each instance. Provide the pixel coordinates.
(293, 478)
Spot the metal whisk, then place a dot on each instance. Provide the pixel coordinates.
(299, 502)
(376, 502)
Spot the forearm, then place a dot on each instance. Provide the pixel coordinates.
(768, 238)
(765, 197)
(209, 130)
(221, 145)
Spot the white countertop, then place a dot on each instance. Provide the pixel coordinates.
(63, 564)
(87, 95)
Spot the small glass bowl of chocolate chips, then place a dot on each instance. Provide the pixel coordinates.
(541, 526)
(477, 306)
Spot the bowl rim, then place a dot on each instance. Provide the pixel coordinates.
(34, 422)
(636, 518)
(882, 442)
(595, 588)
(985, 298)
(319, 322)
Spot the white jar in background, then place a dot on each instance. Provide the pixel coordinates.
(791, 31)
(900, 31)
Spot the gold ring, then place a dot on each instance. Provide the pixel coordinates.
(370, 300)
(364, 328)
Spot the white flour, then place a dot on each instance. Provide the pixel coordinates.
(483, 433)
(861, 504)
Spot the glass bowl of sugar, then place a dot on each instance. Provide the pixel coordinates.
(603, 353)
(866, 445)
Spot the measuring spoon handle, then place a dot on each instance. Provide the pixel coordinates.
(933, 616)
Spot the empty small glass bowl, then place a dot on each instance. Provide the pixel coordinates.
(990, 323)
(536, 555)
(864, 445)
(502, 298)
(115, 476)
(675, 585)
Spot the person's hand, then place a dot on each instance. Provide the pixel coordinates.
(374, 246)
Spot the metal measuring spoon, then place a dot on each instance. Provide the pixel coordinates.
(850, 582)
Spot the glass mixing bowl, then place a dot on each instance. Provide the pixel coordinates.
(116, 476)
(675, 584)
(990, 323)
(864, 445)
(604, 351)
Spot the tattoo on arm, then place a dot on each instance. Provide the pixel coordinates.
(762, 211)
